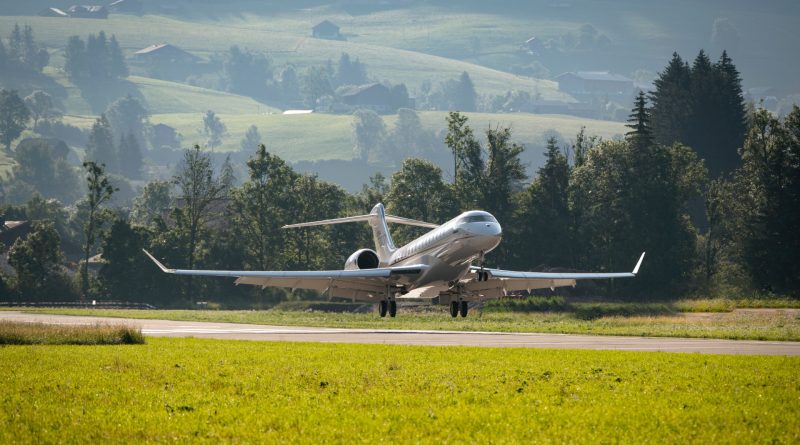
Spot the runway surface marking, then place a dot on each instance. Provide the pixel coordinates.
(235, 331)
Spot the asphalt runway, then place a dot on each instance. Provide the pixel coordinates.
(235, 331)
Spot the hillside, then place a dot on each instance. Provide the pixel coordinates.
(203, 39)
(326, 136)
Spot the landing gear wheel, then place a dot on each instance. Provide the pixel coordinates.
(454, 309)
(382, 308)
(464, 309)
(392, 308)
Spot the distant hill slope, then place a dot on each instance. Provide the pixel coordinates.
(312, 137)
(159, 96)
(395, 65)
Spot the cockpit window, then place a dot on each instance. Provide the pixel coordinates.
(478, 218)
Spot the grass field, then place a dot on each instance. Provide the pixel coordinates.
(14, 333)
(332, 135)
(597, 320)
(203, 39)
(212, 391)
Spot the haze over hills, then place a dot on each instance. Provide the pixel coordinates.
(419, 44)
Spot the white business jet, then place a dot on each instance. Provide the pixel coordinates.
(436, 267)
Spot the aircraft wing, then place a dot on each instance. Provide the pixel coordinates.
(362, 284)
(502, 281)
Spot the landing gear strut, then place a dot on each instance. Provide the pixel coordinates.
(482, 274)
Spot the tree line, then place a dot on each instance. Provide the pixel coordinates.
(593, 205)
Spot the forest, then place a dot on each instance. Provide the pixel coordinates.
(704, 181)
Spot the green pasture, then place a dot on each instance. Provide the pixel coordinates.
(158, 96)
(596, 319)
(298, 48)
(212, 391)
(320, 136)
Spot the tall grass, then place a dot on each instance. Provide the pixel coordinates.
(19, 333)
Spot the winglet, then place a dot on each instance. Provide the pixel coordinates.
(158, 263)
(638, 264)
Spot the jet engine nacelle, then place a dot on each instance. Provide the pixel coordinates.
(362, 259)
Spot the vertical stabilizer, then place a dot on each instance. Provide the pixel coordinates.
(380, 233)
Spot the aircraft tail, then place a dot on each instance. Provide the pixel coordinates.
(377, 219)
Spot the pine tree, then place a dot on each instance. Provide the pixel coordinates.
(731, 117)
(466, 97)
(545, 237)
(671, 102)
(117, 66)
(14, 116)
(213, 128)
(130, 156)
(75, 58)
(641, 135)
(251, 138)
(100, 148)
(702, 132)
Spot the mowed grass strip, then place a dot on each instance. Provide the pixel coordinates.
(211, 391)
(597, 319)
(21, 333)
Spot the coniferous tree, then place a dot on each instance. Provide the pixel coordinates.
(14, 116)
(75, 62)
(116, 60)
(100, 149)
(251, 139)
(130, 157)
(544, 237)
(671, 102)
(100, 191)
(97, 56)
(213, 129)
(731, 118)
(641, 135)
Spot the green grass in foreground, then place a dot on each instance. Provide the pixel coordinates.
(740, 325)
(16, 333)
(192, 390)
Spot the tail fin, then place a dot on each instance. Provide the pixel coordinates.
(384, 244)
(377, 218)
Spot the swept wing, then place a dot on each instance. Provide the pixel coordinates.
(362, 284)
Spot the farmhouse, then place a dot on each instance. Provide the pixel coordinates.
(594, 83)
(373, 96)
(88, 11)
(326, 30)
(131, 6)
(53, 12)
(164, 53)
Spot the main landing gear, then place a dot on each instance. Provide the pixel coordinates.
(458, 307)
(389, 306)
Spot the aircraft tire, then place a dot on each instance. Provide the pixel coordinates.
(392, 308)
(454, 309)
(382, 308)
(464, 309)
